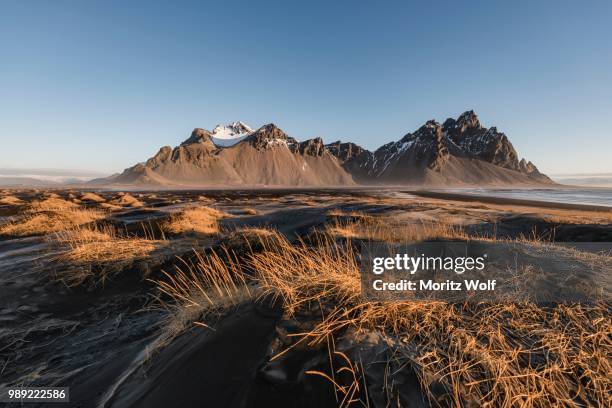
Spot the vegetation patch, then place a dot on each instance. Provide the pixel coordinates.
(96, 254)
(478, 354)
(203, 220)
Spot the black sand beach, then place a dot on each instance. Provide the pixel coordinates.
(100, 339)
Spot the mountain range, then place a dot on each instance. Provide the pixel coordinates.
(457, 152)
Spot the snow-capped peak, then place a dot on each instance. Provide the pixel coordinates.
(230, 134)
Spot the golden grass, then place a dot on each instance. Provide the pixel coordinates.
(351, 393)
(553, 215)
(92, 197)
(300, 275)
(11, 200)
(111, 207)
(52, 203)
(478, 352)
(248, 239)
(49, 221)
(203, 220)
(378, 228)
(126, 200)
(209, 285)
(508, 354)
(97, 254)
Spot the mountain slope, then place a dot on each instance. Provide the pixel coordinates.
(265, 157)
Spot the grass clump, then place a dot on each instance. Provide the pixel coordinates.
(11, 200)
(207, 285)
(97, 254)
(51, 203)
(203, 220)
(382, 229)
(111, 207)
(90, 196)
(475, 354)
(126, 200)
(249, 239)
(47, 221)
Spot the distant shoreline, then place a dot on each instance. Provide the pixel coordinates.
(281, 190)
(509, 201)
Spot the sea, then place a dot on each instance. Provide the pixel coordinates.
(601, 196)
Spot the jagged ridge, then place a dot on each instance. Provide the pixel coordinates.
(459, 151)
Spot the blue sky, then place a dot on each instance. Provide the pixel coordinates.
(102, 85)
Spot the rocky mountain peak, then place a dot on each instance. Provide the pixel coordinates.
(468, 120)
(476, 141)
(198, 135)
(270, 131)
(431, 124)
(231, 130)
(269, 136)
(345, 151)
(312, 147)
(528, 167)
(431, 131)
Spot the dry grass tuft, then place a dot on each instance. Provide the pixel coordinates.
(111, 207)
(250, 211)
(251, 239)
(209, 285)
(366, 227)
(97, 254)
(203, 220)
(301, 275)
(11, 200)
(53, 203)
(497, 355)
(92, 197)
(49, 221)
(126, 200)
(50, 215)
(205, 200)
(349, 380)
(509, 354)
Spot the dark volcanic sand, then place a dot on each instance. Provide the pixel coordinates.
(93, 340)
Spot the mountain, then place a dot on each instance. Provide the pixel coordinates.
(265, 157)
(458, 152)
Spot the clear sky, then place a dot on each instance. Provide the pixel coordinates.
(102, 85)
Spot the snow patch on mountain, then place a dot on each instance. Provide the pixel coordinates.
(229, 135)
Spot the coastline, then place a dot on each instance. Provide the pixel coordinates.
(508, 201)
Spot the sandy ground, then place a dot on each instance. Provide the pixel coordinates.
(95, 339)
